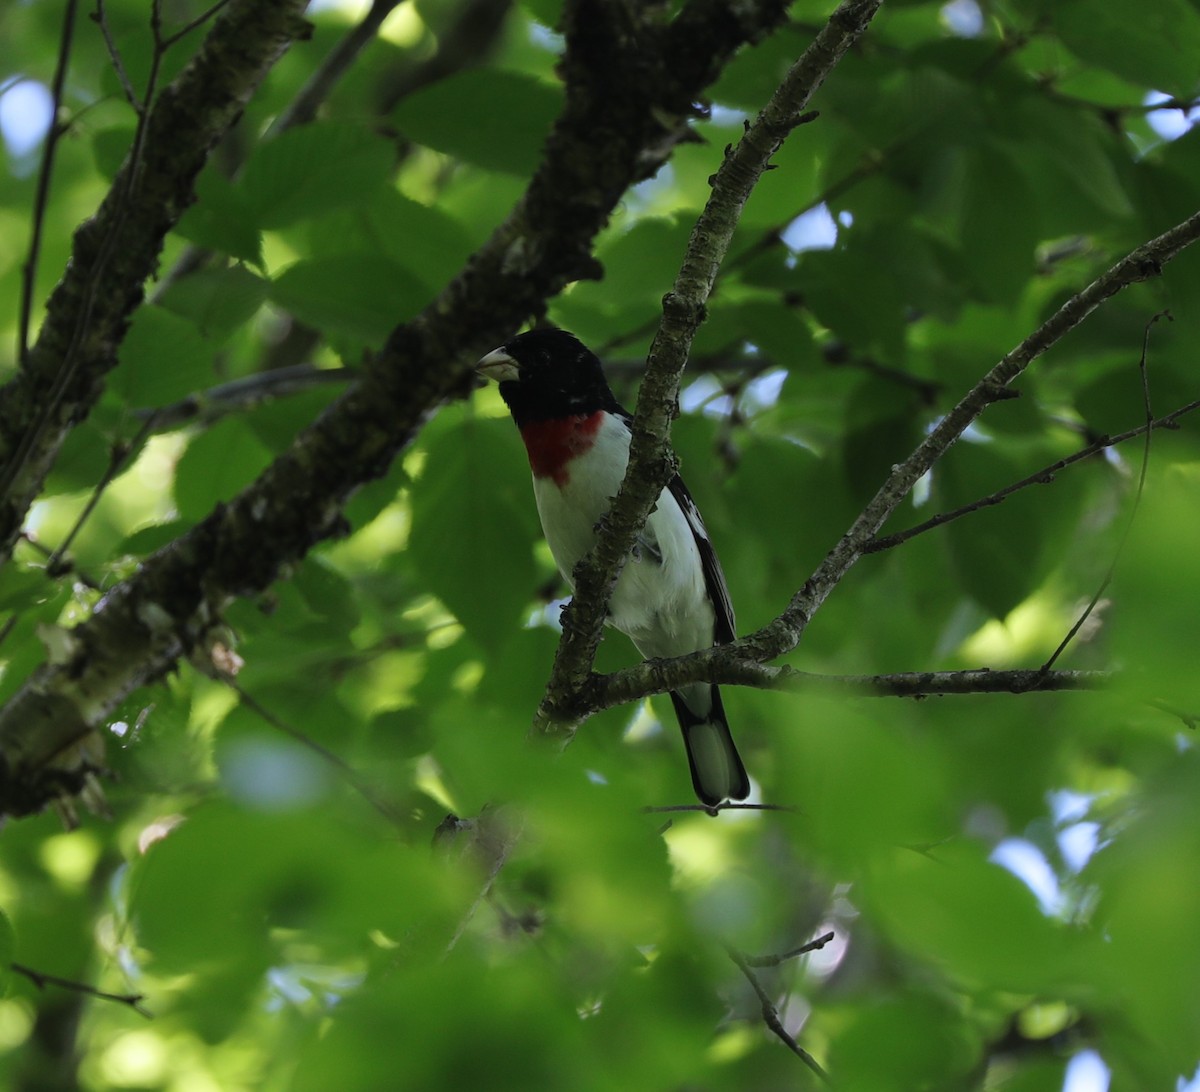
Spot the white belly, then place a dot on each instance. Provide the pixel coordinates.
(662, 605)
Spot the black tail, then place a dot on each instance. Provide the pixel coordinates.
(717, 770)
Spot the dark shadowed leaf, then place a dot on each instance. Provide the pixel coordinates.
(490, 118)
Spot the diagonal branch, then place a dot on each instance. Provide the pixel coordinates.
(62, 375)
(1140, 264)
(1039, 477)
(651, 463)
(770, 1014)
(630, 90)
(582, 693)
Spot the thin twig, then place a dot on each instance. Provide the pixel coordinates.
(45, 172)
(1137, 499)
(714, 809)
(71, 357)
(352, 776)
(59, 568)
(100, 18)
(244, 393)
(725, 664)
(770, 1014)
(41, 980)
(1038, 477)
(303, 108)
(118, 458)
(776, 960)
(199, 21)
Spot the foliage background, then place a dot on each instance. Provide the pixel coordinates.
(1010, 879)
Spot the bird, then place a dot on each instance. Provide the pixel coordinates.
(671, 597)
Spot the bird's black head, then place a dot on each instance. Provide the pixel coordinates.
(547, 374)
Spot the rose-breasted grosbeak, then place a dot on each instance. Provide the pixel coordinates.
(671, 597)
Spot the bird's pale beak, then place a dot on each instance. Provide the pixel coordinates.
(498, 366)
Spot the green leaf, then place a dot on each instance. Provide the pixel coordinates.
(915, 1040)
(362, 296)
(471, 535)
(311, 169)
(996, 550)
(883, 425)
(218, 301)
(1000, 225)
(959, 910)
(110, 147)
(493, 119)
(1155, 45)
(222, 220)
(217, 465)
(8, 948)
(431, 245)
(162, 359)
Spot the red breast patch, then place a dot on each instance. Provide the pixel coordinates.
(553, 444)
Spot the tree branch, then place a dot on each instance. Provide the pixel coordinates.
(724, 665)
(1038, 477)
(41, 980)
(629, 93)
(651, 462)
(45, 173)
(1142, 263)
(770, 1015)
(745, 661)
(62, 376)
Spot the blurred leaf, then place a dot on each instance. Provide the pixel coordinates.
(222, 220)
(311, 168)
(997, 550)
(475, 477)
(487, 117)
(361, 296)
(218, 464)
(8, 947)
(163, 359)
(962, 912)
(1000, 227)
(216, 300)
(882, 428)
(1154, 45)
(902, 1043)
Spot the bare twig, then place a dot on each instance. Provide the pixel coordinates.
(242, 394)
(1133, 510)
(770, 1014)
(100, 18)
(122, 451)
(352, 777)
(41, 980)
(45, 173)
(776, 960)
(1038, 477)
(167, 42)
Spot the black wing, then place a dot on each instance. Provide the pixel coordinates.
(714, 579)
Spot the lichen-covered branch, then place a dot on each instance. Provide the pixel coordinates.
(115, 251)
(630, 87)
(651, 463)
